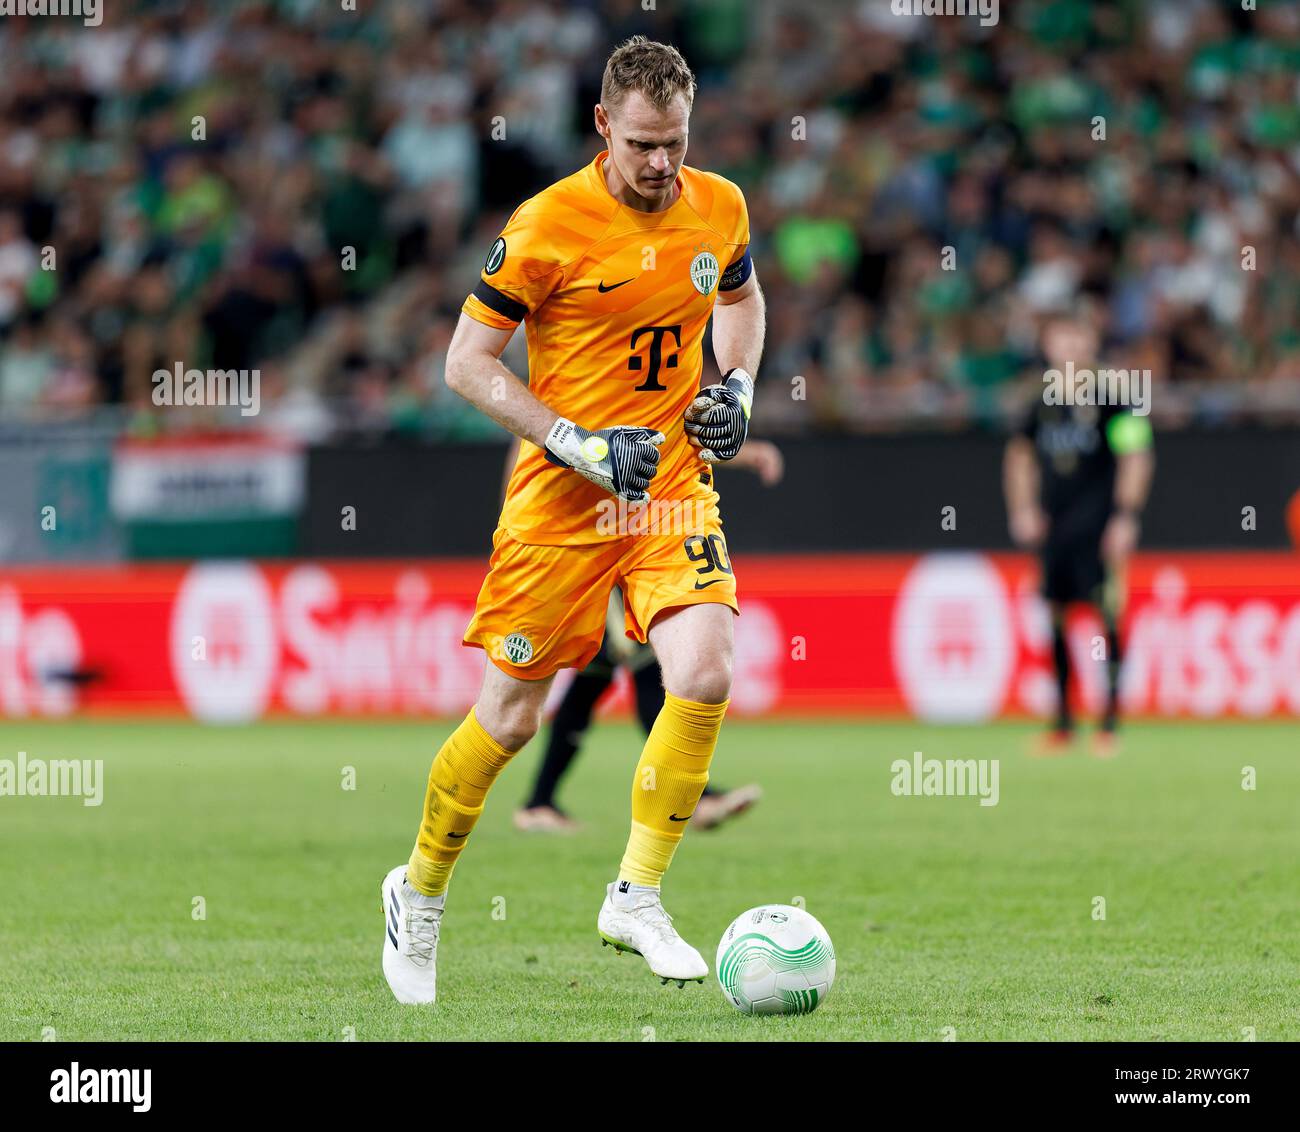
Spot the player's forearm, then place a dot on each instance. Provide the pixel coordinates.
(622, 459)
(492, 389)
(1019, 478)
(738, 332)
(1133, 475)
(749, 457)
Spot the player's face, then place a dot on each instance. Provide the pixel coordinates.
(1069, 341)
(647, 146)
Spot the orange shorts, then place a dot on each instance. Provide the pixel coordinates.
(542, 608)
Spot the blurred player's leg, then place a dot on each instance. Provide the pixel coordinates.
(1064, 723)
(648, 684)
(1110, 605)
(568, 728)
(1110, 617)
(1059, 561)
(1072, 572)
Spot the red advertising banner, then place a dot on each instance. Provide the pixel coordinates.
(956, 637)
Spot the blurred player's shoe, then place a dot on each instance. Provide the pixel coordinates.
(634, 920)
(1052, 744)
(713, 809)
(411, 923)
(1105, 742)
(544, 819)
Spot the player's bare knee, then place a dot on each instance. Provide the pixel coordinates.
(516, 738)
(510, 719)
(511, 725)
(509, 709)
(706, 680)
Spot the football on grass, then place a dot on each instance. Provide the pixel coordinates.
(775, 959)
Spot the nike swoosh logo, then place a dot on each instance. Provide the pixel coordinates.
(613, 287)
(706, 585)
(465, 834)
(674, 817)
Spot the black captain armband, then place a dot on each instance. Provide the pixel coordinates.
(736, 275)
(501, 303)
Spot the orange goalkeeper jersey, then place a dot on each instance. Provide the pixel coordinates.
(614, 303)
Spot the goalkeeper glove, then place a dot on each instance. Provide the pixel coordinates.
(718, 419)
(623, 459)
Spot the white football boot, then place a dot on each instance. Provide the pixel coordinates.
(634, 920)
(411, 924)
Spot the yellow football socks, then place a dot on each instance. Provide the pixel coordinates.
(670, 778)
(461, 775)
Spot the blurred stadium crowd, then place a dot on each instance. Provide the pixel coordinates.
(866, 143)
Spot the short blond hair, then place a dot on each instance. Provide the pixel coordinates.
(657, 70)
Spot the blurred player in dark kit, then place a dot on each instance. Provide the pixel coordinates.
(1077, 476)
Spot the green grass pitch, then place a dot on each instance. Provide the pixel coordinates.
(943, 913)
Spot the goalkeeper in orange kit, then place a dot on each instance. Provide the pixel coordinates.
(615, 272)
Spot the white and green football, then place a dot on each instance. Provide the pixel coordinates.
(775, 959)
